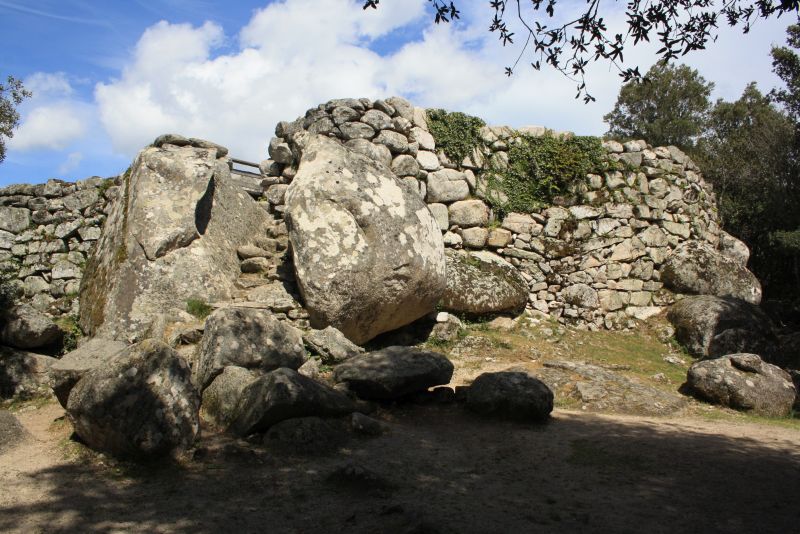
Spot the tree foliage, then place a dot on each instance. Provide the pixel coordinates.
(668, 107)
(11, 95)
(679, 26)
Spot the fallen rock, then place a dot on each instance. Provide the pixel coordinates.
(482, 283)
(286, 394)
(12, 433)
(27, 328)
(140, 404)
(93, 354)
(368, 254)
(733, 248)
(743, 382)
(309, 435)
(23, 375)
(249, 338)
(696, 268)
(510, 394)
(602, 390)
(331, 345)
(394, 372)
(172, 236)
(221, 398)
(709, 326)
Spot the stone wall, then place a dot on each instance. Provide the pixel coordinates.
(47, 232)
(593, 259)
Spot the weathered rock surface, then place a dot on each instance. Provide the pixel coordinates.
(140, 404)
(23, 375)
(172, 236)
(483, 283)
(510, 394)
(599, 389)
(285, 394)
(221, 399)
(709, 326)
(12, 433)
(743, 382)
(249, 338)
(309, 435)
(394, 372)
(93, 354)
(696, 268)
(27, 328)
(331, 345)
(368, 254)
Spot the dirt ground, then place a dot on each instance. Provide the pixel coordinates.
(438, 469)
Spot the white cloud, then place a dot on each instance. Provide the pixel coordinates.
(293, 55)
(50, 126)
(48, 85)
(72, 162)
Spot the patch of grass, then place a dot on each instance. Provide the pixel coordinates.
(715, 413)
(199, 308)
(72, 332)
(456, 134)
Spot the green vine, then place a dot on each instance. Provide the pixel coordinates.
(456, 134)
(539, 169)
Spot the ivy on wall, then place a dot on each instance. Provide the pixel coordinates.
(456, 134)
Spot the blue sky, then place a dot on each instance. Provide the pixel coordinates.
(110, 76)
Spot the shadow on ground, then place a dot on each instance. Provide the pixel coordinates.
(441, 470)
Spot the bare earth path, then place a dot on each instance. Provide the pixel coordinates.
(437, 470)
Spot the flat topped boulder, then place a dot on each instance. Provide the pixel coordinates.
(66, 372)
(394, 372)
(696, 268)
(172, 236)
(743, 382)
(483, 283)
(24, 327)
(368, 254)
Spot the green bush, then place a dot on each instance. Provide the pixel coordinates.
(456, 134)
(199, 308)
(539, 169)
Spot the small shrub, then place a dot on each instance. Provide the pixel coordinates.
(456, 134)
(541, 168)
(199, 308)
(72, 333)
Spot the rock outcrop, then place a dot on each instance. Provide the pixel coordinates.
(709, 327)
(394, 372)
(743, 382)
(70, 368)
(140, 404)
(368, 254)
(12, 433)
(172, 236)
(696, 268)
(23, 375)
(481, 283)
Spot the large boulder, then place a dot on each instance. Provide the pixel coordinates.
(142, 403)
(221, 399)
(23, 375)
(24, 327)
(510, 394)
(743, 382)
(249, 338)
(481, 283)
(286, 394)
(368, 254)
(696, 268)
(170, 237)
(66, 372)
(709, 327)
(394, 372)
(12, 432)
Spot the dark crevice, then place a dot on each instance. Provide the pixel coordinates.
(202, 212)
